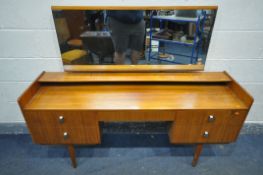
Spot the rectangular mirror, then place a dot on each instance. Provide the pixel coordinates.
(144, 37)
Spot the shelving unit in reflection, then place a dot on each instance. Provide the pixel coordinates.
(195, 43)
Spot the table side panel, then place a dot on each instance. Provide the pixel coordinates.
(240, 92)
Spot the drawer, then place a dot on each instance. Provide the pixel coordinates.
(133, 115)
(61, 118)
(49, 127)
(54, 135)
(211, 117)
(203, 134)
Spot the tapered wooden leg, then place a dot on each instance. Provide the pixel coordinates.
(198, 151)
(72, 155)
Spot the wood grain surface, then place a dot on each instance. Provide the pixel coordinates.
(45, 127)
(186, 100)
(133, 68)
(190, 126)
(135, 97)
(65, 77)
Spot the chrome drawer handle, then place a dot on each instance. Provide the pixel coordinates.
(211, 118)
(236, 113)
(65, 135)
(61, 119)
(206, 134)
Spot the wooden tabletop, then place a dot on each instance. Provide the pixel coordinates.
(135, 96)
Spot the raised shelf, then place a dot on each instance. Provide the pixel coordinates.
(152, 96)
(133, 68)
(64, 77)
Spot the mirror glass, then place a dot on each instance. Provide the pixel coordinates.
(104, 37)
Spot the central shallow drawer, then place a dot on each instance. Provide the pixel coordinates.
(136, 115)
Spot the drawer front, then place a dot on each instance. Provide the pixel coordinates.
(133, 115)
(55, 127)
(207, 126)
(53, 135)
(61, 118)
(201, 134)
(211, 117)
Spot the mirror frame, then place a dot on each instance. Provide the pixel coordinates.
(133, 68)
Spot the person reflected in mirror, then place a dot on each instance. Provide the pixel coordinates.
(127, 29)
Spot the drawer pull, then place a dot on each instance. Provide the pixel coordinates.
(236, 113)
(61, 119)
(211, 118)
(65, 135)
(206, 134)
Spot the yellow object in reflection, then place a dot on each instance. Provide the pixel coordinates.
(72, 55)
(75, 43)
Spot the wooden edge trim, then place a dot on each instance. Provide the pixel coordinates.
(240, 91)
(29, 92)
(67, 77)
(132, 68)
(134, 7)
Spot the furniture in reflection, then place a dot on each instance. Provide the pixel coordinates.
(75, 20)
(62, 30)
(202, 107)
(98, 43)
(195, 45)
(72, 56)
(75, 43)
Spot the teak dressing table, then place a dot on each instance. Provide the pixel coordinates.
(66, 107)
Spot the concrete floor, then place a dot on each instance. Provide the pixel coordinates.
(131, 154)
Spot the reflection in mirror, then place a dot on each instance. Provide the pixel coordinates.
(92, 37)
